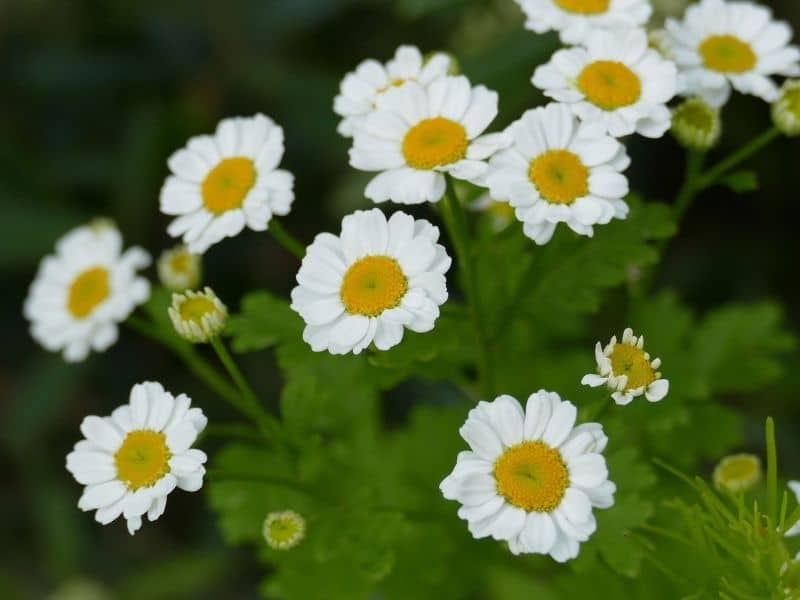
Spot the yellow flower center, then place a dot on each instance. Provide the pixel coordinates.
(195, 308)
(630, 360)
(434, 142)
(181, 262)
(584, 7)
(226, 185)
(532, 476)
(283, 529)
(372, 285)
(609, 84)
(727, 54)
(560, 176)
(142, 459)
(502, 211)
(87, 291)
(739, 467)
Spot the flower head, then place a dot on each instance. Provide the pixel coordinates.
(531, 477)
(786, 109)
(719, 45)
(559, 170)
(132, 460)
(284, 530)
(360, 89)
(368, 284)
(418, 133)
(627, 369)
(179, 269)
(738, 472)
(614, 79)
(696, 124)
(82, 291)
(198, 316)
(576, 19)
(223, 182)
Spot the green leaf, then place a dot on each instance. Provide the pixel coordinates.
(741, 182)
(263, 321)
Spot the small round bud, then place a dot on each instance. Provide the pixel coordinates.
(738, 472)
(198, 316)
(179, 269)
(284, 530)
(786, 109)
(500, 214)
(696, 124)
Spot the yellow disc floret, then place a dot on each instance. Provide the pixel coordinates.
(372, 285)
(283, 530)
(87, 291)
(532, 476)
(584, 7)
(226, 185)
(727, 54)
(435, 142)
(609, 84)
(560, 176)
(738, 472)
(142, 459)
(631, 361)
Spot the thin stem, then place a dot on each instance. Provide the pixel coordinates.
(772, 472)
(689, 189)
(286, 239)
(457, 226)
(712, 175)
(250, 405)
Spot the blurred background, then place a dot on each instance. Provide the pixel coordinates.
(97, 93)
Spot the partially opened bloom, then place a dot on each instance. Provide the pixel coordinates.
(198, 316)
(628, 370)
(531, 477)
(418, 133)
(371, 282)
(179, 269)
(786, 109)
(576, 19)
(82, 291)
(615, 79)
(360, 89)
(559, 170)
(738, 472)
(132, 460)
(283, 530)
(719, 45)
(225, 182)
(696, 124)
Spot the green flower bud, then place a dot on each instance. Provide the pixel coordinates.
(696, 125)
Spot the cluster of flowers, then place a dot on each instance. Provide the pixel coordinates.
(532, 477)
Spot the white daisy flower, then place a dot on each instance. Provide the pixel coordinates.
(794, 529)
(372, 281)
(627, 369)
(417, 134)
(179, 269)
(531, 477)
(131, 460)
(198, 316)
(616, 79)
(82, 291)
(576, 19)
(227, 181)
(719, 45)
(360, 89)
(559, 170)
(283, 530)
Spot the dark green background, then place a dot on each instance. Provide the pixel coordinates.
(96, 94)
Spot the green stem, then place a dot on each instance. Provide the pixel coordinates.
(712, 175)
(458, 228)
(194, 362)
(286, 239)
(518, 295)
(689, 189)
(772, 472)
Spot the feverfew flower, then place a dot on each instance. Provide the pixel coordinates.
(696, 124)
(360, 89)
(531, 477)
(179, 269)
(369, 283)
(82, 291)
(227, 181)
(418, 133)
(738, 472)
(786, 109)
(615, 79)
(283, 530)
(628, 370)
(719, 45)
(198, 316)
(576, 19)
(132, 460)
(559, 170)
